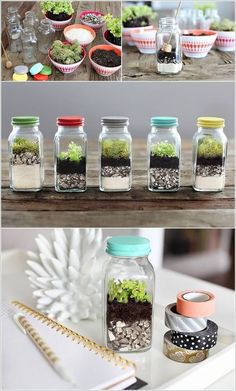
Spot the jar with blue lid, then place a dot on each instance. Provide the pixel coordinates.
(128, 294)
(164, 153)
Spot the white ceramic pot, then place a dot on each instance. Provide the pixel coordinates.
(225, 41)
(145, 40)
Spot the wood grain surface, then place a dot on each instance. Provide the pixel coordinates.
(85, 71)
(137, 208)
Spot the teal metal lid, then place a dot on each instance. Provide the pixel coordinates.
(164, 122)
(25, 120)
(128, 246)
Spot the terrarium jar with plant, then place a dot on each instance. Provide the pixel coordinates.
(57, 10)
(115, 154)
(209, 155)
(113, 32)
(164, 150)
(70, 155)
(25, 146)
(128, 294)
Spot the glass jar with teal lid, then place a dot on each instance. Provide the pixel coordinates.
(128, 294)
(25, 146)
(164, 153)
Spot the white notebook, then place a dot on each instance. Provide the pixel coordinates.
(91, 367)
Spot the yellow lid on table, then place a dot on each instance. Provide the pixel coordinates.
(17, 77)
(211, 122)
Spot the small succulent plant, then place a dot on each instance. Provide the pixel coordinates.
(209, 147)
(224, 25)
(66, 53)
(22, 145)
(57, 7)
(74, 153)
(113, 25)
(136, 11)
(163, 149)
(115, 148)
(124, 290)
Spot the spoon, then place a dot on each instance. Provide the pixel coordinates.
(167, 47)
(8, 63)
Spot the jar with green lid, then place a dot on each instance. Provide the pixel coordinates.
(128, 294)
(70, 143)
(164, 152)
(209, 154)
(115, 154)
(25, 146)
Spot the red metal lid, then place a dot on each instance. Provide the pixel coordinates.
(70, 121)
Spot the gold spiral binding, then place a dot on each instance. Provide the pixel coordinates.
(100, 350)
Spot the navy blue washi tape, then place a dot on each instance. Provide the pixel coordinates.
(200, 340)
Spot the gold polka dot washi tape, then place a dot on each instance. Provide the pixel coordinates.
(182, 355)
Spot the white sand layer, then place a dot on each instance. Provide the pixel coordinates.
(26, 177)
(210, 182)
(169, 68)
(115, 183)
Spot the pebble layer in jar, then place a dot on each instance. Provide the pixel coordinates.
(71, 181)
(164, 178)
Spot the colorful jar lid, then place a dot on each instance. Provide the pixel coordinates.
(18, 77)
(128, 246)
(46, 70)
(25, 120)
(115, 121)
(21, 69)
(211, 122)
(36, 68)
(70, 121)
(40, 77)
(164, 122)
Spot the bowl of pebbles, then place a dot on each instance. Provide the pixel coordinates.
(93, 19)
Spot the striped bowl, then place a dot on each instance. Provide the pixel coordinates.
(225, 41)
(101, 70)
(145, 40)
(127, 31)
(197, 46)
(67, 68)
(59, 25)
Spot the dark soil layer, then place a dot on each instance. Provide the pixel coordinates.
(129, 312)
(69, 167)
(59, 17)
(195, 35)
(166, 57)
(210, 161)
(137, 22)
(106, 58)
(164, 162)
(113, 162)
(110, 37)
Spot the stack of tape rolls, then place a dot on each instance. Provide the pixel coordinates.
(191, 334)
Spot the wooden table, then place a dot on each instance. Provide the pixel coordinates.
(85, 71)
(142, 67)
(137, 208)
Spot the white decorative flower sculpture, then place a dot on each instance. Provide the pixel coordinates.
(66, 274)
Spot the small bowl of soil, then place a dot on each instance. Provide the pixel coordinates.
(197, 43)
(59, 13)
(145, 40)
(84, 35)
(69, 64)
(105, 59)
(112, 36)
(111, 40)
(93, 19)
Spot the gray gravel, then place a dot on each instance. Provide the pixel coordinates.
(71, 181)
(28, 158)
(110, 171)
(164, 178)
(209, 170)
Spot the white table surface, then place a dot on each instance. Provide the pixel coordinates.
(16, 286)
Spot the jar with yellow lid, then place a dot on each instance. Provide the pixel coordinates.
(209, 154)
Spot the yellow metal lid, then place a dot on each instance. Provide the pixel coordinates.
(211, 122)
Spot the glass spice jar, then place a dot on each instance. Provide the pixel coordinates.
(25, 146)
(209, 154)
(115, 155)
(70, 143)
(13, 16)
(14, 36)
(129, 288)
(46, 36)
(168, 44)
(164, 152)
(29, 43)
(31, 20)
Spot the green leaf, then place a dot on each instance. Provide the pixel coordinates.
(113, 25)
(163, 149)
(115, 148)
(137, 11)
(74, 153)
(124, 290)
(21, 145)
(209, 147)
(57, 7)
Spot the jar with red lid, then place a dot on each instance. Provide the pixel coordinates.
(70, 143)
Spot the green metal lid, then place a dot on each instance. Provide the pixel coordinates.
(164, 122)
(128, 246)
(25, 120)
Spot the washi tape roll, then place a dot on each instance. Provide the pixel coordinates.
(182, 355)
(177, 322)
(201, 340)
(195, 304)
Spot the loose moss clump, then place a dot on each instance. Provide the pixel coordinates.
(74, 153)
(57, 7)
(224, 25)
(115, 149)
(65, 53)
(124, 290)
(22, 145)
(209, 147)
(163, 149)
(136, 11)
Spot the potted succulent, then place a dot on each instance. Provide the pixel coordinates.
(112, 36)
(71, 169)
(128, 315)
(133, 17)
(115, 165)
(164, 167)
(66, 57)
(60, 13)
(105, 59)
(225, 30)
